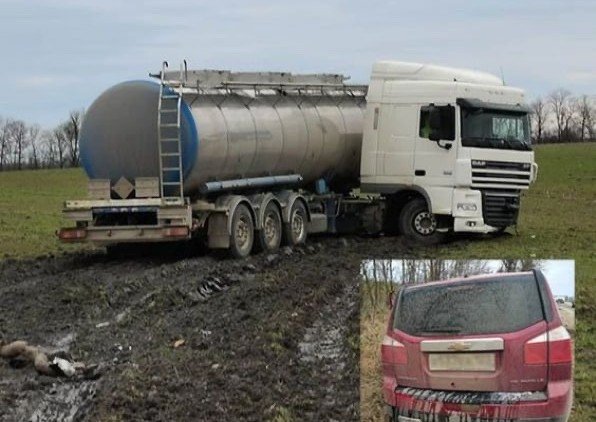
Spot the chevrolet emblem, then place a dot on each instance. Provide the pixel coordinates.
(459, 347)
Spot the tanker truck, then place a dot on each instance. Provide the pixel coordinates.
(252, 160)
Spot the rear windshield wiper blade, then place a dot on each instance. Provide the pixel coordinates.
(441, 330)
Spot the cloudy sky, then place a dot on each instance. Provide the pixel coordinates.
(59, 55)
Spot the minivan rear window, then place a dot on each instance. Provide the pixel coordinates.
(499, 305)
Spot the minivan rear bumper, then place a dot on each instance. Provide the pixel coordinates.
(427, 405)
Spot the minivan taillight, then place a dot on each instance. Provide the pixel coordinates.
(392, 351)
(553, 346)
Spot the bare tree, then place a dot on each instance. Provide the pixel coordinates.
(560, 103)
(18, 135)
(4, 142)
(540, 116)
(71, 131)
(585, 114)
(513, 265)
(48, 151)
(33, 141)
(59, 144)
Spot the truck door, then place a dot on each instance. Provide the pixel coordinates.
(434, 160)
(396, 141)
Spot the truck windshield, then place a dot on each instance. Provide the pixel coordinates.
(498, 129)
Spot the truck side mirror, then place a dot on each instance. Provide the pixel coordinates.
(434, 122)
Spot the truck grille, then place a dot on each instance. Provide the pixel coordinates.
(500, 209)
(500, 174)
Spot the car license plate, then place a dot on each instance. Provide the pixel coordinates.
(406, 419)
(462, 361)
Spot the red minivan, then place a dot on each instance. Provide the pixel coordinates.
(482, 348)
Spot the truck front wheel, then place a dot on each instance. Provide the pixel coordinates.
(418, 224)
(243, 232)
(295, 229)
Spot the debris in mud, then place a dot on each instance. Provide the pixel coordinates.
(57, 364)
(271, 258)
(64, 366)
(179, 343)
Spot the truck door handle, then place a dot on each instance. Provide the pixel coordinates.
(419, 172)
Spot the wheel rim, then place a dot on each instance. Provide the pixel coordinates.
(297, 226)
(242, 232)
(271, 229)
(425, 223)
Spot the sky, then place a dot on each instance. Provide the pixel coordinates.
(559, 273)
(59, 55)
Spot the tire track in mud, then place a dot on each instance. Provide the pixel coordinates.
(270, 337)
(325, 346)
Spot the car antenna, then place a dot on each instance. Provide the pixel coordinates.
(502, 75)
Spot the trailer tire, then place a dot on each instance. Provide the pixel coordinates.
(418, 224)
(269, 237)
(295, 228)
(243, 232)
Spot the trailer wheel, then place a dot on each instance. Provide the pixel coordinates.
(269, 237)
(295, 229)
(418, 224)
(243, 232)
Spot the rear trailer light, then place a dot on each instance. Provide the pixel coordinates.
(72, 234)
(176, 231)
(553, 346)
(392, 351)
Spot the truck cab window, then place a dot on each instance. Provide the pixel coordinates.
(447, 131)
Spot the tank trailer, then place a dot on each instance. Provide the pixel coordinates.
(251, 160)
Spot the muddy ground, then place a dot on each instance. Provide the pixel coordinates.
(272, 337)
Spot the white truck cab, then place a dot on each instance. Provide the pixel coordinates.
(459, 138)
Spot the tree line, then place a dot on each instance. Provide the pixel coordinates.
(562, 117)
(27, 146)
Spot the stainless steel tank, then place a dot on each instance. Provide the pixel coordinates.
(226, 135)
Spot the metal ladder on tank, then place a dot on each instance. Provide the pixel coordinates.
(168, 136)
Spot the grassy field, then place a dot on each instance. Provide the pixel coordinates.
(557, 221)
(30, 209)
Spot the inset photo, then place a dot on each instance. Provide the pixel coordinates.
(486, 340)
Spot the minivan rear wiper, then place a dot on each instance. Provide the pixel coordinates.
(441, 330)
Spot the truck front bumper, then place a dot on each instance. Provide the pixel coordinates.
(484, 211)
